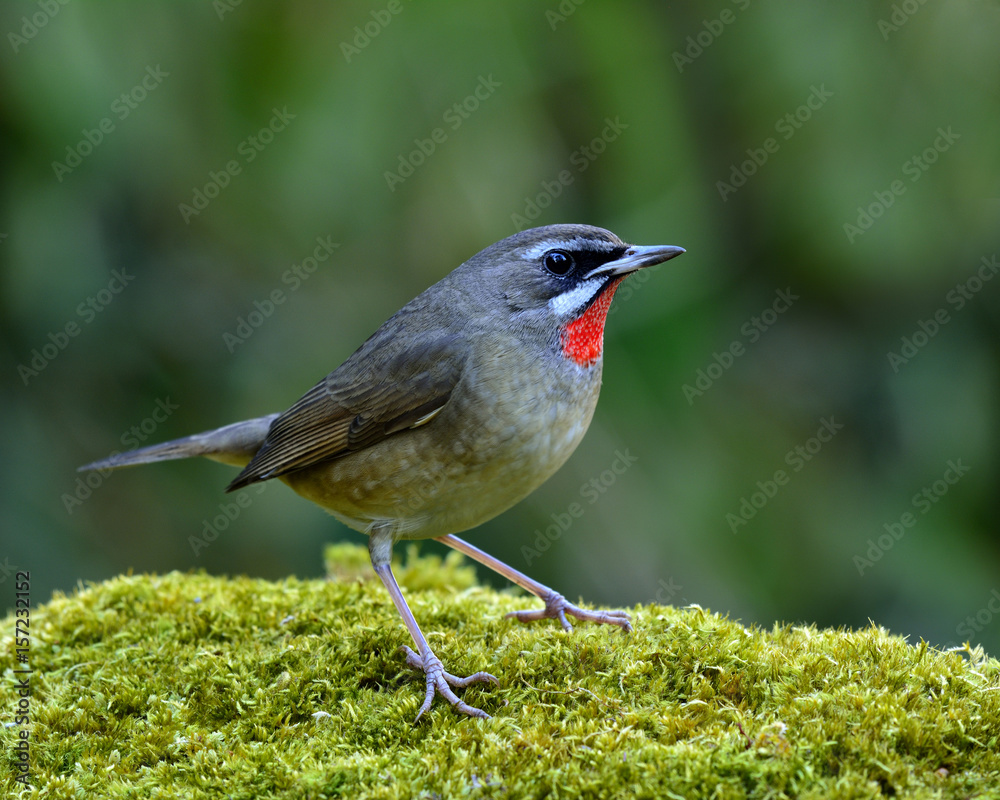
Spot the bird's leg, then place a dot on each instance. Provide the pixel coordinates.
(556, 606)
(438, 680)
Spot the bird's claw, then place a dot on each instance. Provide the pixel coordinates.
(440, 682)
(557, 607)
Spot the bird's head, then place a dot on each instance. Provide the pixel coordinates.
(562, 278)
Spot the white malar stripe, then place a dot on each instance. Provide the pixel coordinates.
(577, 243)
(567, 303)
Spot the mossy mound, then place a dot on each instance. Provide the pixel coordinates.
(195, 686)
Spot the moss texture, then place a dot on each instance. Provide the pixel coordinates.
(187, 685)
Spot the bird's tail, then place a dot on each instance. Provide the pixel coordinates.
(234, 444)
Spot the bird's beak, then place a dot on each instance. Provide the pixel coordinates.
(637, 257)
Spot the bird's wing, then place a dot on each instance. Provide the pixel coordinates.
(371, 396)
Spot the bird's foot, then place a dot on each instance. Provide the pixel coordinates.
(440, 682)
(557, 607)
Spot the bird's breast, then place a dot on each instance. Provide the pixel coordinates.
(509, 425)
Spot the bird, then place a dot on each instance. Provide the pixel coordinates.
(458, 407)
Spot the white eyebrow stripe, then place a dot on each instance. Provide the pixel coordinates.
(568, 302)
(578, 243)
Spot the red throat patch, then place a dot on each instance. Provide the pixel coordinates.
(583, 338)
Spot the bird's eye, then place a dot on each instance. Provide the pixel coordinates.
(558, 262)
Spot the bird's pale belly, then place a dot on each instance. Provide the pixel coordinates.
(476, 459)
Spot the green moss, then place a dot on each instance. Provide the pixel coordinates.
(195, 686)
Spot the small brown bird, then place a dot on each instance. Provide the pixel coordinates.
(458, 407)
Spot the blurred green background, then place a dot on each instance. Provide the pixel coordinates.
(844, 155)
